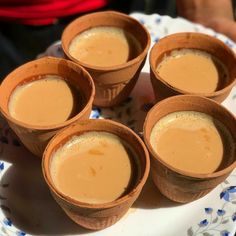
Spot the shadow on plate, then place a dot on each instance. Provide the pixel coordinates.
(26, 200)
(133, 110)
(151, 198)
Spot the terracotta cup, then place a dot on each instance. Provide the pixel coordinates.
(36, 137)
(114, 83)
(175, 184)
(98, 216)
(198, 41)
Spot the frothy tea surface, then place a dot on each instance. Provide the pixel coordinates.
(49, 100)
(94, 167)
(192, 141)
(193, 71)
(104, 46)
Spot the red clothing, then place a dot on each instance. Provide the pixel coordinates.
(43, 12)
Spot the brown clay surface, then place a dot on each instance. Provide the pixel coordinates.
(181, 185)
(113, 83)
(99, 216)
(196, 41)
(35, 137)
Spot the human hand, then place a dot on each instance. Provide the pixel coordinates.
(216, 14)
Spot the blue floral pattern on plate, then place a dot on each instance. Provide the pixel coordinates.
(217, 220)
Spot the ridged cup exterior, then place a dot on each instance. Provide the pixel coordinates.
(36, 137)
(36, 140)
(113, 84)
(98, 216)
(197, 41)
(95, 219)
(181, 188)
(177, 185)
(113, 92)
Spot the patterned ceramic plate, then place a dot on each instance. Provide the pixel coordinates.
(27, 208)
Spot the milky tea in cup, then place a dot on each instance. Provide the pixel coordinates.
(43, 96)
(104, 46)
(192, 144)
(94, 167)
(113, 47)
(193, 71)
(192, 141)
(95, 170)
(46, 100)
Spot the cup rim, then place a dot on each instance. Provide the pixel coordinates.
(62, 124)
(190, 174)
(69, 200)
(180, 91)
(106, 68)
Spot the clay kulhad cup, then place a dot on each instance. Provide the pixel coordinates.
(197, 41)
(113, 83)
(98, 216)
(178, 185)
(36, 137)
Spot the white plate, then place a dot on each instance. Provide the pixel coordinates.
(27, 207)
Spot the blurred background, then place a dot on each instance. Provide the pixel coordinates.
(22, 39)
